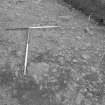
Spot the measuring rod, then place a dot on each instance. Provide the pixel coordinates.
(32, 27)
(28, 38)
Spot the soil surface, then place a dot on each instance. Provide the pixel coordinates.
(65, 65)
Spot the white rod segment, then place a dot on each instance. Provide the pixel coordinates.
(32, 27)
(26, 53)
(44, 27)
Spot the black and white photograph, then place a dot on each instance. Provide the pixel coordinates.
(52, 52)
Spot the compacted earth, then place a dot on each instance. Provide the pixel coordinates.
(65, 65)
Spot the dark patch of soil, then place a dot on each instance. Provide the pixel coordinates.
(93, 8)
